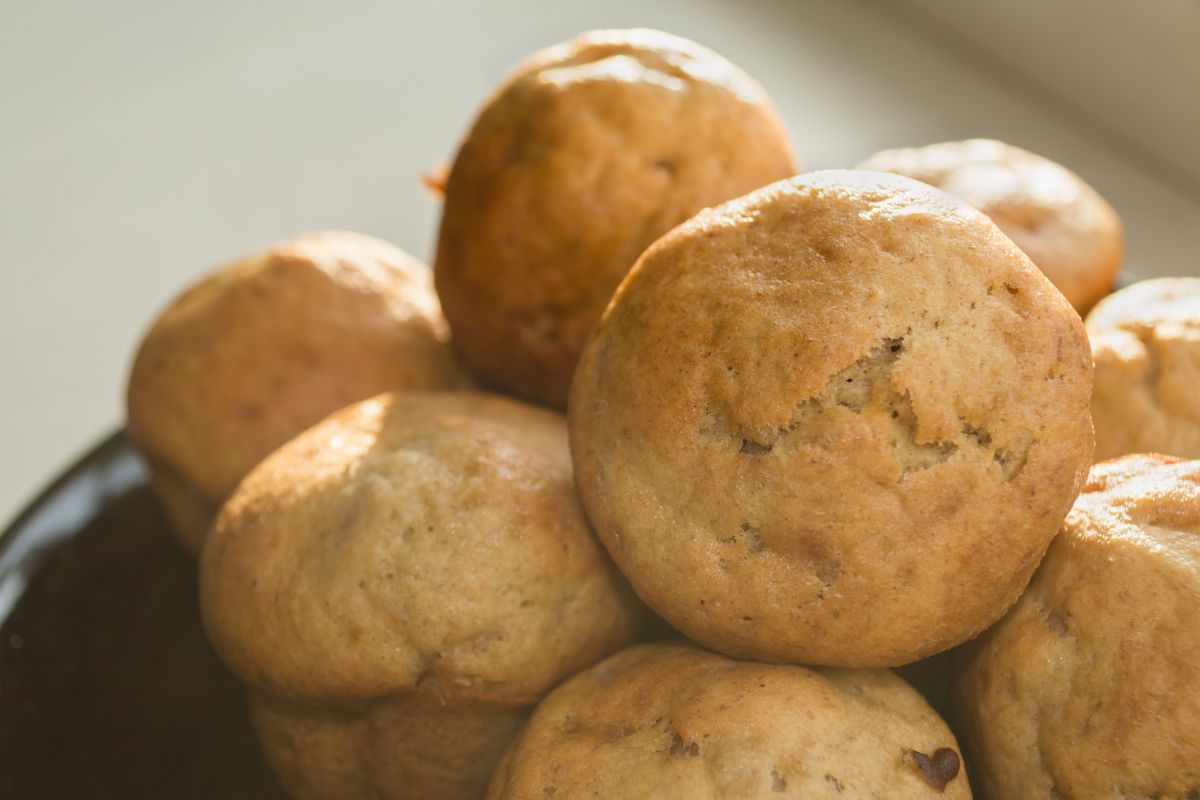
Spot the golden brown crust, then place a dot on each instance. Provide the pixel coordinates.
(418, 542)
(1090, 686)
(1062, 223)
(1146, 344)
(259, 350)
(671, 720)
(586, 154)
(412, 560)
(836, 421)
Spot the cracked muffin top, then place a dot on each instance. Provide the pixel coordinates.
(1062, 223)
(1146, 343)
(836, 421)
(587, 153)
(261, 349)
(1090, 686)
(671, 720)
(413, 543)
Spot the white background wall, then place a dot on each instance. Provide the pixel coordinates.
(1130, 68)
(143, 142)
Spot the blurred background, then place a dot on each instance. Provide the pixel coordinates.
(142, 142)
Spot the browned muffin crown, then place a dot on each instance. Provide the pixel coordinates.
(1062, 223)
(671, 720)
(587, 153)
(258, 351)
(1090, 686)
(1146, 344)
(415, 561)
(836, 421)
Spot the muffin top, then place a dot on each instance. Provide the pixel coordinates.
(671, 720)
(262, 349)
(1091, 684)
(413, 543)
(587, 153)
(1146, 343)
(1061, 222)
(836, 421)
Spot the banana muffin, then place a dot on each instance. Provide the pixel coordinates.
(1062, 223)
(400, 583)
(836, 421)
(587, 153)
(260, 350)
(1146, 345)
(674, 721)
(1090, 686)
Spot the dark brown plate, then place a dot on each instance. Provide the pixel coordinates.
(108, 687)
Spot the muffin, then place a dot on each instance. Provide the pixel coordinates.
(1146, 344)
(1090, 686)
(587, 153)
(671, 720)
(1061, 223)
(399, 584)
(260, 350)
(836, 421)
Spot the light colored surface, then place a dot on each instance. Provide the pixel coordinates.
(143, 142)
(1132, 67)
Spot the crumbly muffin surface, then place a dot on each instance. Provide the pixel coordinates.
(674, 721)
(416, 561)
(837, 421)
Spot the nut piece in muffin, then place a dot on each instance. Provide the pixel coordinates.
(671, 720)
(260, 350)
(836, 421)
(1090, 686)
(400, 583)
(1062, 223)
(1146, 345)
(587, 153)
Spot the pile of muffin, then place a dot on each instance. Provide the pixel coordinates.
(818, 425)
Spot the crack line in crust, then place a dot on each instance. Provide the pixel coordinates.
(866, 383)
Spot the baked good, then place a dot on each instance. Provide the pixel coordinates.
(260, 350)
(1061, 222)
(1090, 686)
(1146, 345)
(399, 583)
(407, 747)
(671, 720)
(836, 421)
(587, 153)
